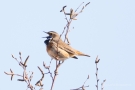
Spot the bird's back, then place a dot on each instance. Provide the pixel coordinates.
(68, 48)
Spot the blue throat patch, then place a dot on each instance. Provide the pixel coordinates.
(47, 41)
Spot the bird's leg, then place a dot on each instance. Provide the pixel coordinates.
(56, 58)
(62, 62)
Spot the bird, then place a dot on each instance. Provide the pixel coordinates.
(55, 52)
(58, 49)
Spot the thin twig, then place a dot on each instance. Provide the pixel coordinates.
(39, 82)
(102, 84)
(48, 68)
(55, 74)
(25, 75)
(96, 62)
(82, 87)
(79, 6)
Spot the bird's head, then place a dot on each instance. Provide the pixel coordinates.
(52, 34)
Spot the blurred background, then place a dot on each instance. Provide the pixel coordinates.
(104, 28)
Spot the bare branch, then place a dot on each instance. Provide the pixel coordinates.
(82, 87)
(87, 4)
(102, 84)
(63, 8)
(25, 75)
(79, 6)
(96, 62)
(26, 61)
(56, 73)
(39, 83)
(48, 68)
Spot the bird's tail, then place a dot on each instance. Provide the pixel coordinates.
(82, 54)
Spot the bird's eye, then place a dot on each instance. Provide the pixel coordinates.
(50, 34)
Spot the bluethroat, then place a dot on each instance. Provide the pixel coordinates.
(58, 49)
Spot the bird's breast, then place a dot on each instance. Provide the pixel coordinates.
(57, 53)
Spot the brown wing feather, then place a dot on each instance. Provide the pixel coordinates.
(66, 47)
(58, 51)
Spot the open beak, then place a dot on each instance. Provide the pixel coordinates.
(48, 37)
(45, 32)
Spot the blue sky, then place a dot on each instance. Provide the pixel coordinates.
(105, 28)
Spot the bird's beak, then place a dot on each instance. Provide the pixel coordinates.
(45, 32)
(47, 37)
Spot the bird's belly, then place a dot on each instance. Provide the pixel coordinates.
(58, 54)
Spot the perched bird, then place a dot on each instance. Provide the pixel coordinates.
(55, 52)
(58, 49)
